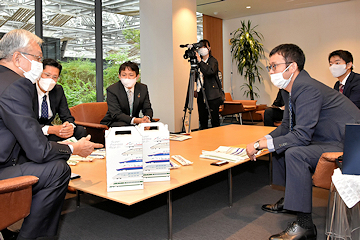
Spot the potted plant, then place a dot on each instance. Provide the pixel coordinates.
(247, 50)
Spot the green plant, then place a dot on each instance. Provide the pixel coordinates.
(247, 50)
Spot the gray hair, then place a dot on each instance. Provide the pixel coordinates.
(15, 40)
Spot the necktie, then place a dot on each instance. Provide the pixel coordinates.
(44, 108)
(131, 100)
(290, 114)
(341, 88)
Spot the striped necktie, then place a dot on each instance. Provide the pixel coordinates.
(341, 88)
(131, 100)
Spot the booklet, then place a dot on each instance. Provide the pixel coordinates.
(179, 137)
(230, 154)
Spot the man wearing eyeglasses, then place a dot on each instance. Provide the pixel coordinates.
(50, 101)
(314, 122)
(24, 148)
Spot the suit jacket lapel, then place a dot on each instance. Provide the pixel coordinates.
(124, 101)
(52, 100)
(348, 83)
(136, 98)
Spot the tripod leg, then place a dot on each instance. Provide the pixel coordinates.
(189, 103)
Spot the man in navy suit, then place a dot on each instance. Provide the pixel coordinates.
(50, 100)
(20, 67)
(341, 66)
(313, 123)
(126, 98)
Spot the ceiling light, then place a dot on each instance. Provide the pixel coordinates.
(248, 6)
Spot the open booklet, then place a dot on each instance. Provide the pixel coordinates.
(230, 154)
(179, 137)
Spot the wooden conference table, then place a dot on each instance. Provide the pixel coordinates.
(93, 174)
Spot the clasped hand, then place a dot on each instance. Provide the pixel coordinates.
(64, 130)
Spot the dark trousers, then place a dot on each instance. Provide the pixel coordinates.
(204, 114)
(79, 132)
(48, 196)
(272, 115)
(294, 168)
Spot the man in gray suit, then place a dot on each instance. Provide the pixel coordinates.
(24, 148)
(314, 122)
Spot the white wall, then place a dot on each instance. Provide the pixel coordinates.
(316, 30)
(164, 26)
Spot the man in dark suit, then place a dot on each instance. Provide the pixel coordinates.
(20, 66)
(126, 98)
(275, 112)
(313, 123)
(50, 101)
(341, 66)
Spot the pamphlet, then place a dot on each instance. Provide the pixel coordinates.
(230, 154)
(179, 137)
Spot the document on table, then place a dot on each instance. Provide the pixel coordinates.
(230, 154)
(348, 187)
(97, 154)
(179, 137)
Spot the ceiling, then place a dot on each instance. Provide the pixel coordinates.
(228, 9)
(73, 21)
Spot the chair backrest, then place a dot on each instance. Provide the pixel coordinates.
(89, 112)
(228, 96)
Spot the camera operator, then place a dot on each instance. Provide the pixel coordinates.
(209, 81)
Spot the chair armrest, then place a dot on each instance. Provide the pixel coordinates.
(17, 183)
(92, 125)
(261, 107)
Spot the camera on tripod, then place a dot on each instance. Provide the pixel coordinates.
(190, 52)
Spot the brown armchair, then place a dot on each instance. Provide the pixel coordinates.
(89, 115)
(15, 199)
(237, 107)
(325, 169)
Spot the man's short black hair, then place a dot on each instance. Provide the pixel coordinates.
(291, 53)
(53, 63)
(133, 66)
(344, 55)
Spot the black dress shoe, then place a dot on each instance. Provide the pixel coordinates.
(9, 235)
(278, 207)
(295, 232)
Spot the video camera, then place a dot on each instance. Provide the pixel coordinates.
(190, 52)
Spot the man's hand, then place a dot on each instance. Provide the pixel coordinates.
(84, 147)
(251, 151)
(65, 130)
(144, 119)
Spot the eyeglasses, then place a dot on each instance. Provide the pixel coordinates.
(39, 58)
(48, 75)
(273, 66)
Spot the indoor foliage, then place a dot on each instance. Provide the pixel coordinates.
(247, 50)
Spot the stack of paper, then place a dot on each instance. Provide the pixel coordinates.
(230, 154)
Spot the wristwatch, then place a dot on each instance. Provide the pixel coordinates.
(257, 145)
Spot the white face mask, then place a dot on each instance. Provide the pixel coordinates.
(279, 81)
(203, 51)
(35, 71)
(47, 84)
(128, 83)
(338, 69)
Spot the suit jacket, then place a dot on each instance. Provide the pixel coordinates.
(58, 104)
(319, 112)
(19, 128)
(351, 88)
(279, 102)
(118, 103)
(210, 71)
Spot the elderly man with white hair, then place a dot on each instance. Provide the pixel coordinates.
(24, 148)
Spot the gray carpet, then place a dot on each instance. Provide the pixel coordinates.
(200, 211)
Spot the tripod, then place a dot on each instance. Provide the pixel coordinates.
(189, 102)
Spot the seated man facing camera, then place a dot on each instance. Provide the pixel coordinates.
(50, 100)
(126, 98)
